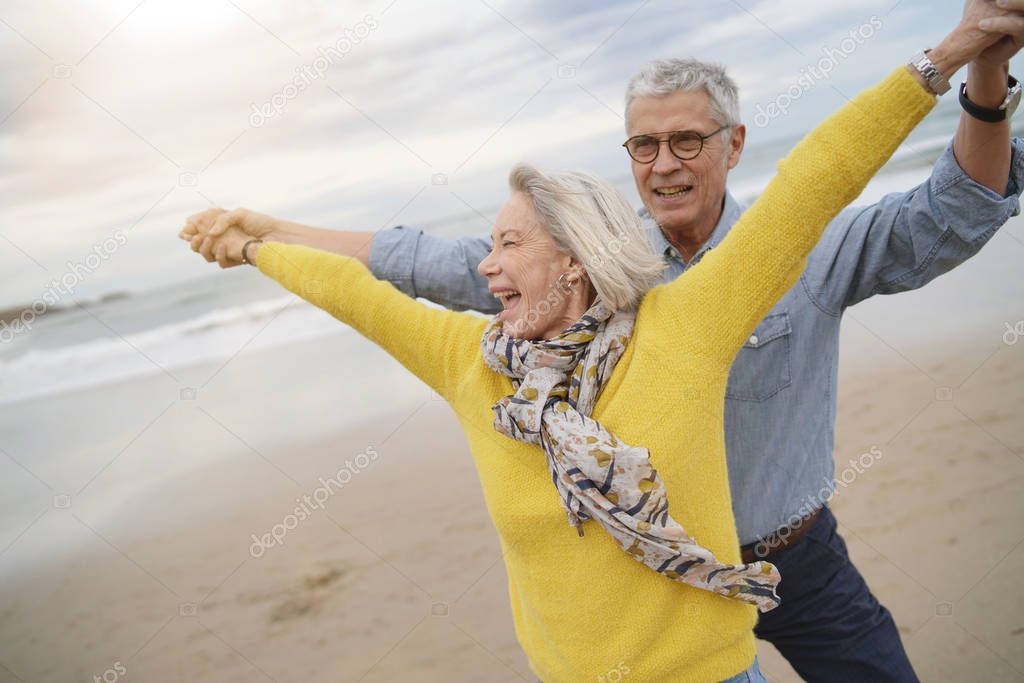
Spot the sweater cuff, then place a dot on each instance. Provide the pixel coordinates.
(907, 91)
(270, 259)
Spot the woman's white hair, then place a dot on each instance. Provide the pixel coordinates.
(665, 76)
(591, 220)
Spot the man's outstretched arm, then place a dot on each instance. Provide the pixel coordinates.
(437, 269)
(203, 229)
(908, 239)
(421, 265)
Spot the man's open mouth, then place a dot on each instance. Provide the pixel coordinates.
(674, 191)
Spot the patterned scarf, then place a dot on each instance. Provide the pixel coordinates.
(557, 382)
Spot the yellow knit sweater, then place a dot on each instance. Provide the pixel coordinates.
(582, 608)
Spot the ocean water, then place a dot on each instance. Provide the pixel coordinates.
(216, 316)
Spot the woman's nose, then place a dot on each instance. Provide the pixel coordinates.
(488, 266)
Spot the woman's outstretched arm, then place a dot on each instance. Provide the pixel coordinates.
(738, 282)
(435, 345)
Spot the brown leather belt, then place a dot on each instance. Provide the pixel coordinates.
(780, 540)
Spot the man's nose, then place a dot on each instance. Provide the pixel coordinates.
(666, 162)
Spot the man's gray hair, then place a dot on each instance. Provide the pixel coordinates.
(591, 220)
(665, 76)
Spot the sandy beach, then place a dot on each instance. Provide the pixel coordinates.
(134, 513)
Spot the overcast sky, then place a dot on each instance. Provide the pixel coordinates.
(129, 116)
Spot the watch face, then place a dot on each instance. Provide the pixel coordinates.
(1015, 100)
(1012, 99)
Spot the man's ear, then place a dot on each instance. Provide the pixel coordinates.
(736, 142)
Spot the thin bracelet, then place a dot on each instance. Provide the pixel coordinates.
(245, 247)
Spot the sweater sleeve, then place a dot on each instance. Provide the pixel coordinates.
(735, 285)
(435, 345)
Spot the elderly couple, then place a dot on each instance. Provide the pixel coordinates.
(641, 353)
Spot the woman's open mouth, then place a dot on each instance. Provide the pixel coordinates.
(509, 300)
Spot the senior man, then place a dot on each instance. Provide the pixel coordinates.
(685, 135)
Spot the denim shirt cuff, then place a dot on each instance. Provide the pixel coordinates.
(392, 256)
(948, 174)
(1015, 184)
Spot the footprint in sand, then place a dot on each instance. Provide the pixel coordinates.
(307, 598)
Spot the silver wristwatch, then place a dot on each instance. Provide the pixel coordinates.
(924, 65)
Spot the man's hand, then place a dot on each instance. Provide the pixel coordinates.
(226, 247)
(218, 235)
(1011, 28)
(968, 40)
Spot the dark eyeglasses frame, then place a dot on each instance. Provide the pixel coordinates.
(671, 134)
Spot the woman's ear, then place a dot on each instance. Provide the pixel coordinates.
(575, 269)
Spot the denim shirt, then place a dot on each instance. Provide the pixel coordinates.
(781, 396)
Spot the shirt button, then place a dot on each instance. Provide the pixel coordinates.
(753, 339)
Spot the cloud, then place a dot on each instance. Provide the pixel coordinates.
(168, 88)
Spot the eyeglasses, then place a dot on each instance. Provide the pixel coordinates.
(684, 144)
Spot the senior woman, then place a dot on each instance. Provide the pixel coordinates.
(585, 362)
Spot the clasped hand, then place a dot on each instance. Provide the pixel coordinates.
(219, 235)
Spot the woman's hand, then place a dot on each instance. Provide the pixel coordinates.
(218, 235)
(225, 248)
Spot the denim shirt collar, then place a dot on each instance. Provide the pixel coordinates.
(731, 212)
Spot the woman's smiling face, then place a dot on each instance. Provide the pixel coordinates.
(522, 272)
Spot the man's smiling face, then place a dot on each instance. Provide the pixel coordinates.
(683, 195)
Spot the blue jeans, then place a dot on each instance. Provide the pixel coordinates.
(829, 625)
(751, 675)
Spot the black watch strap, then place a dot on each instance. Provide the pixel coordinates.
(984, 113)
